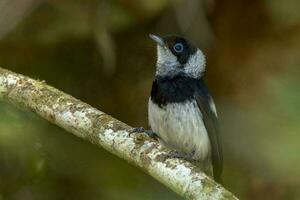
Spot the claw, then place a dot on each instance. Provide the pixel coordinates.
(137, 130)
(176, 154)
(150, 133)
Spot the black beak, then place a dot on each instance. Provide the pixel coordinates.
(157, 39)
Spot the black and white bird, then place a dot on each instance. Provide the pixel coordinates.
(181, 110)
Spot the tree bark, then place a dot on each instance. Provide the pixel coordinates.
(103, 130)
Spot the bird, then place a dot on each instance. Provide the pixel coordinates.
(181, 110)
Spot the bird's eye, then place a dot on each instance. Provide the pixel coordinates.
(178, 47)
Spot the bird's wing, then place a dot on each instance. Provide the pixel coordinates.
(209, 116)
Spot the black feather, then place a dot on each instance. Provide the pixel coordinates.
(173, 89)
(188, 47)
(211, 123)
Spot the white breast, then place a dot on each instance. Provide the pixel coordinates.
(180, 126)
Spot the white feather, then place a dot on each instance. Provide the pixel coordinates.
(213, 106)
(180, 126)
(195, 66)
(167, 63)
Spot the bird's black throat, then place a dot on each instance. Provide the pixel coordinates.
(175, 89)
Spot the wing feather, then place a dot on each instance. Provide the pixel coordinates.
(205, 102)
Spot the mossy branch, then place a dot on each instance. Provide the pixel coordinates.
(103, 130)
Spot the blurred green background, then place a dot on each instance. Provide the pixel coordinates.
(99, 52)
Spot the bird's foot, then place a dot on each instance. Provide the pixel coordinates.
(150, 133)
(176, 154)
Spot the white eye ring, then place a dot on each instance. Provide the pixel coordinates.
(178, 47)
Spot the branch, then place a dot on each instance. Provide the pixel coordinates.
(103, 130)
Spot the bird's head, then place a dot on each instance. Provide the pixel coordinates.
(176, 55)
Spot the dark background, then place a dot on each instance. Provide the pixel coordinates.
(99, 52)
